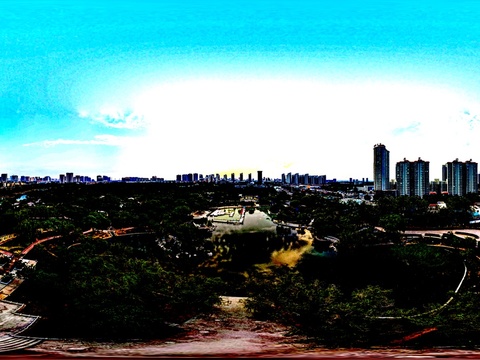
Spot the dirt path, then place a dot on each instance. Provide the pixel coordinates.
(230, 332)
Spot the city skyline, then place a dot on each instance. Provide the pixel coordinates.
(381, 166)
(145, 88)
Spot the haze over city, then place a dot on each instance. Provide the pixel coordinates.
(144, 88)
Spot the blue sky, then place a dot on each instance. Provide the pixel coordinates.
(143, 88)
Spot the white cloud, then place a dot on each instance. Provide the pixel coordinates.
(114, 117)
(305, 125)
(108, 140)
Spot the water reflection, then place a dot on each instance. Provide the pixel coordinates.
(291, 255)
(257, 242)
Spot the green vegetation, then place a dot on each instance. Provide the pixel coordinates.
(114, 288)
(366, 287)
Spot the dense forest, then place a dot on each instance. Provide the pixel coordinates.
(368, 287)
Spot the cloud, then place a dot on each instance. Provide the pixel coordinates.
(116, 118)
(410, 128)
(108, 140)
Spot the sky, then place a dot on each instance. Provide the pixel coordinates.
(159, 88)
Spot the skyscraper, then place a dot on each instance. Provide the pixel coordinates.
(413, 178)
(461, 177)
(421, 177)
(381, 167)
(402, 175)
(455, 178)
(69, 177)
(259, 177)
(471, 176)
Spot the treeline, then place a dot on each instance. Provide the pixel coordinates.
(130, 287)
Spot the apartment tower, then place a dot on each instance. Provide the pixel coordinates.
(461, 177)
(381, 167)
(413, 178)
(259, 177)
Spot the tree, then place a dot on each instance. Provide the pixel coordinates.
(320, 310)
(96, 220)
(108, 291)
(393, 224)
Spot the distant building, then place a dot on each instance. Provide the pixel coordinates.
(403, 177)
(438, 186)
(103, 178)
(461, 177)
(305, 179)
(69, 177)
(157, 179)
(288, 178)
(413, 178)
(295, 179)
(381, 167)
(259, 177)
(471, 175)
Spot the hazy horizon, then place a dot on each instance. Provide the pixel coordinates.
(160, 88)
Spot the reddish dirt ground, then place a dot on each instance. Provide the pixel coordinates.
(229, 333)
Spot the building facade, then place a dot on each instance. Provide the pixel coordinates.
(403, 177)
(421, 177)
(461, 177)
(381, 167)
(471, 176)
(413, 178)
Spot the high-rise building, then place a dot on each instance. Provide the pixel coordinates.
(381, 167)
(288, 178)
(69, 177)
(471, 175)
(455, 178)
(305, 179)
(461, 177)
(295, 179)
(403, 177)
(413, 178)
(421, 177)
(259, 177)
